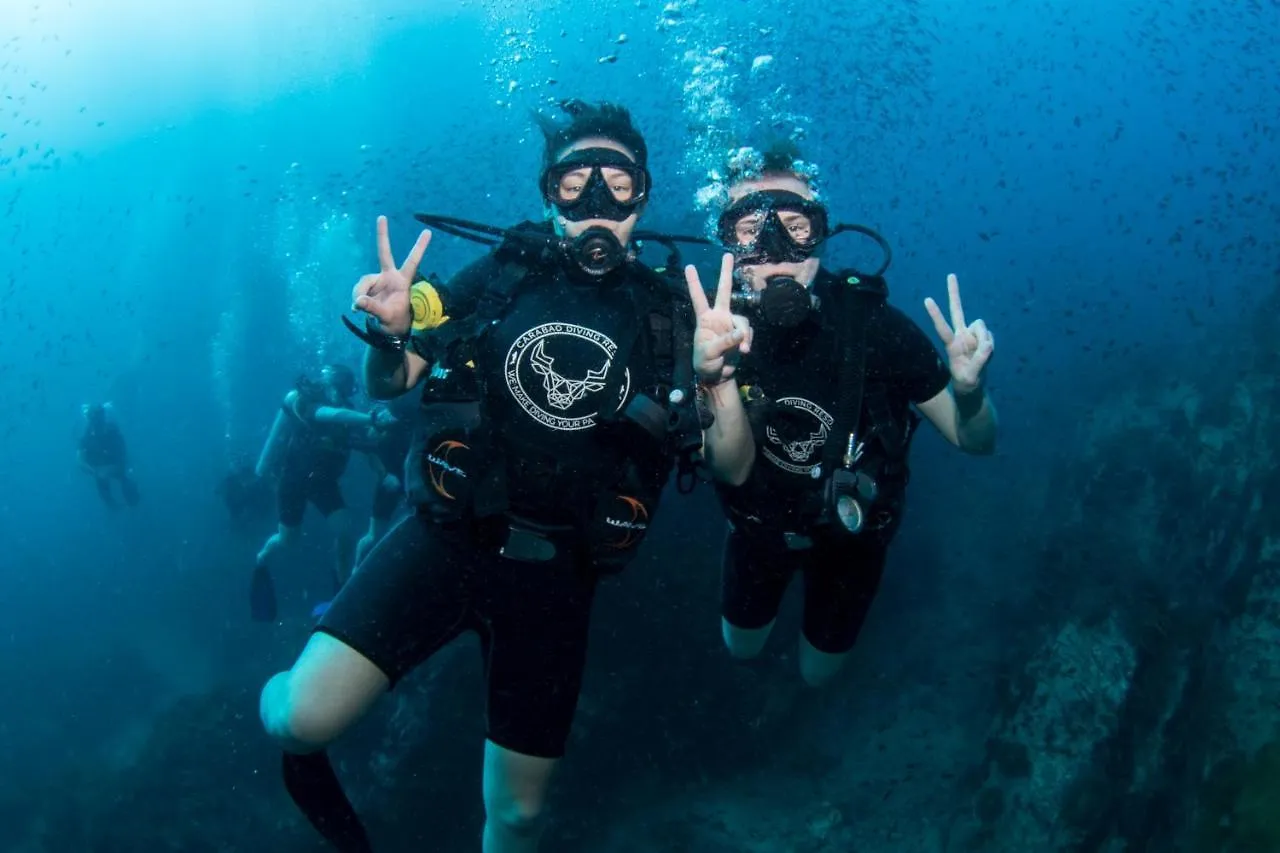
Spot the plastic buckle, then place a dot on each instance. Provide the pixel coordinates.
(527, 546)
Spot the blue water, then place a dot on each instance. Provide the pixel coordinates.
(188, 192)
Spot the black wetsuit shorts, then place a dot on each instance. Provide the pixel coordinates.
(841, 578)
(315, 480)
(423, 585)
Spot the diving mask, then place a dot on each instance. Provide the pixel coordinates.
(773, 227)
(595, 183)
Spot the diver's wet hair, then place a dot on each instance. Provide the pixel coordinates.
(782, 157)
(586, 120)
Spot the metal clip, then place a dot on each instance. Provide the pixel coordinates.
(853, 450)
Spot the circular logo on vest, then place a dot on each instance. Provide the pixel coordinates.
(797, 447)
(557, 371)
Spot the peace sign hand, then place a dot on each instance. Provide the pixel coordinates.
(721, 336)
(386, 294)
(969, 348)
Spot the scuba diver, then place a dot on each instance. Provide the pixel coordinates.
(812, 473)
(388, 452)
(547, 435)
(104, 456)
(306, 454)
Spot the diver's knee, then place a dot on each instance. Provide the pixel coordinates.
(518, 815)
(515, 790)
(298, 722)
(282, 538)
(744, 643)
(817, 668)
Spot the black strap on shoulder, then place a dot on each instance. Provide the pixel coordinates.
(686, 422)
(854, 307)
(517, 260)
(647, 407)
(499, 291)
(894, 438)
(662, 328)
(667, 410)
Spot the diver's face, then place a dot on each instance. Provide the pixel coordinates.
(755, 275)
(618, 182)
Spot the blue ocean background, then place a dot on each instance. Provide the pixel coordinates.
(188, 194)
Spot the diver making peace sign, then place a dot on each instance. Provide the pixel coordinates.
(554, 356)
(813, 428)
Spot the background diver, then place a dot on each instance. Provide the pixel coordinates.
(306, 454)
(104, 456)
(387, 448)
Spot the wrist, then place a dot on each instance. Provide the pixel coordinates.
(969, 401)
(390, 333)
(394, 330)
(719, 390)
(379, 337)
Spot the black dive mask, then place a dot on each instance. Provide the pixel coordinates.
(613, 197)
(596, 251)
(773, 227)
(783, 303)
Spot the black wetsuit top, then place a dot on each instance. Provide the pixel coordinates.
(556, 369)
(794, 373)
(104, 445)
(316, 451)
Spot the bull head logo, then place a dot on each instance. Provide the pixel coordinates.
(800, 451)
(562, 392)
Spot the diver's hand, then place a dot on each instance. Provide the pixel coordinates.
(721, 335)
(386, 295)
(391, 483)
(969, 347)
(381, 419)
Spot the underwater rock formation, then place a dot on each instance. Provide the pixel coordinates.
(1147, 717)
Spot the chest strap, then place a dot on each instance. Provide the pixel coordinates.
(854, 307)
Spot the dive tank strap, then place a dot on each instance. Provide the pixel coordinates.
(854, 306)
